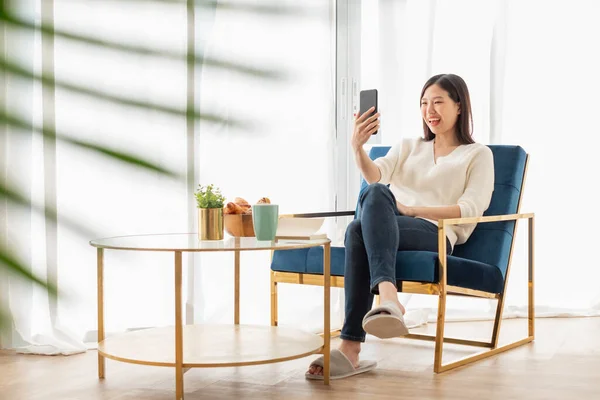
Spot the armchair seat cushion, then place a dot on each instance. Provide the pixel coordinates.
(413, 266)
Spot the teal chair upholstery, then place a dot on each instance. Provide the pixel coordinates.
(479, 264)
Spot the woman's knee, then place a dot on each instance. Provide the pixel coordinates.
(353, 232)
(377, 188)
(375, 192)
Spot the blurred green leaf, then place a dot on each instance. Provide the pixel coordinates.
(13, 266)
(123, 157)
(7, 261)
(5, 320)
(97, 94)
(49, 213)
(253, 71)
(25, 128)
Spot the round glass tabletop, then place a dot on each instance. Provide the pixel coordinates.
(190, 242)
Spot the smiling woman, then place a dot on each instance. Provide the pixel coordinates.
(446, 109)
(528, 87)
(443, 175)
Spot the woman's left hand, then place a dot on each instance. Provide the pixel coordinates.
(405, 210)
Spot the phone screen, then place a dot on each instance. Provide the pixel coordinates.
(368, 99)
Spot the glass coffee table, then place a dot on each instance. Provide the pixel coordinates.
(208, 346)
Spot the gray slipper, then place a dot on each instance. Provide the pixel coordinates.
(340, 366)
(385, 326)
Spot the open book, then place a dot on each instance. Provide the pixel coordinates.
(300, 228)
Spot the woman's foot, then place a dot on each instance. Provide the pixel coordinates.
(398, 304)
(388, 292)
(349, 348)
(386, 320)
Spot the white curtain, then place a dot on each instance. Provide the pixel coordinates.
(530, 73)
(105, 197)
(284, 155)
(16, 145)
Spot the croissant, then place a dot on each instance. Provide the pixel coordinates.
(232, 208)
(248, 210)
(241, 201)
(264, 200)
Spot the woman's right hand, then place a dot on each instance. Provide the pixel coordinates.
(364, 126)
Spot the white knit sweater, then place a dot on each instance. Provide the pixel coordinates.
(465, 177)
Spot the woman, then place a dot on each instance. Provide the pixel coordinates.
(445, 174)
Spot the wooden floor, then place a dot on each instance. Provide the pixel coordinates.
(563, 363)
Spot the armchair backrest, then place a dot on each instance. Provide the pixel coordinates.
(491, 242)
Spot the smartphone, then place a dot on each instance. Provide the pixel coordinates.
(368, 99)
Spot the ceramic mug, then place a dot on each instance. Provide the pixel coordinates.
(265, 218)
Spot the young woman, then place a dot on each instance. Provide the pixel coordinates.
(445, 174)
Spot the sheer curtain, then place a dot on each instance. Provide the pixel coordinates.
(111, 198)
(36, 325)
(548, 92)
(103, 196)
(284, 154)
(16, 97)
(530, 74)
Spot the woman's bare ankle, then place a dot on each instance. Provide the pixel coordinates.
(350, 346)
(388, 292)
(351, 349)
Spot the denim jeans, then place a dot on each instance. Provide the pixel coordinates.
(372, 241)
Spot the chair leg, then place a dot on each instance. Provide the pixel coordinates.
(497, 322)
(439, 340)
(273, 300)
(439, 367)
(439, 335)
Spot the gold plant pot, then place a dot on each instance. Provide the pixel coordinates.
(210, 223)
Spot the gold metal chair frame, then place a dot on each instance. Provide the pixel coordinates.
(441, 289)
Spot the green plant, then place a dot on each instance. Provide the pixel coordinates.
(209, 197)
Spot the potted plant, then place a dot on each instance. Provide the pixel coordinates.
(210, 212)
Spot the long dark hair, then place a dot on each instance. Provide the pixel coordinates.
(459, 93)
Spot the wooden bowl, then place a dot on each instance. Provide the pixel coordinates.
(238, 225)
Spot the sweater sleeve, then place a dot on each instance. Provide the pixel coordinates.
(388, 163)
(480, 185)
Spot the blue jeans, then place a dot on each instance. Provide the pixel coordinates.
(372, 241)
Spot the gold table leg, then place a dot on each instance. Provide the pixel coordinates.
(236, 302)
(100, 283)
(178, 330)
(327, 312)
(531, 297)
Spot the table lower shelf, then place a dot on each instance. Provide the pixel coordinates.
(212, 345)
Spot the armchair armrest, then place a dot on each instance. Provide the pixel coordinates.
(319, 214)
(443, 223)
(491, 218)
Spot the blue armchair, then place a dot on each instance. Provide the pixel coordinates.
(479, 268)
